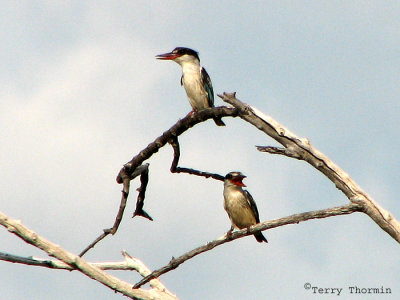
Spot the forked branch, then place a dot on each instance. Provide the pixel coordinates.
(143, 171)
(301, 148)
(135, 166)
(79, 264)
(293, 147)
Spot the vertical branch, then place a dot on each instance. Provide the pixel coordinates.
(143, 171)
(144, 179)
(177, 154)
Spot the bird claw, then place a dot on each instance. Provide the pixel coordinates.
(190, 113)
(229, 233)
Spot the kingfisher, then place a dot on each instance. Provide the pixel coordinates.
(240, 205)
(195, 79)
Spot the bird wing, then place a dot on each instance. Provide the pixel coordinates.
(252, 205)
(208, 86)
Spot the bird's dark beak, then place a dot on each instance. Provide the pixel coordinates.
(167, 56)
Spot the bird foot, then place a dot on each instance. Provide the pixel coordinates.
(229, 233)
(190, 113)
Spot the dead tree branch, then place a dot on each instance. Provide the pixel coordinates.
(293, 219)
(34, 261)
(301, 148)
(175, 169)
(293, 147)
(78, 263)
(135, 166)
(143, 171)
(277, 150)
(59, 265)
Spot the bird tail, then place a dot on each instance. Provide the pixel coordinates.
(219, 122)
(260, 237)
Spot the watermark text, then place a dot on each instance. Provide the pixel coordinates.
(339, 291)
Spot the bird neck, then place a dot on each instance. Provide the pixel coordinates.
(189, 67)
(231, 186)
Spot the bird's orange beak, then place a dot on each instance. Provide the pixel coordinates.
(167, 56)
(238, 182)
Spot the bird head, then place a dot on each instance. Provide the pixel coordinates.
(180, 55)
(235, 178)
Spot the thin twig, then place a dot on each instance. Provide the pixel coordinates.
(293, 219)
(175, 169)
(98, 239)
(139, 211)
(141, 170)
(32, 261)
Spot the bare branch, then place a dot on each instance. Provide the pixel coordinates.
(277, 150)
(98, 239)
(33, 261)
(134, 167)
(144, 179)
(293, 219)
(175, 169)
(145, 271)
(79, 263)
(302, 149)
(176, 130)
(143, 171)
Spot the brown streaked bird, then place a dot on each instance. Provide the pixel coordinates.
(240, 205)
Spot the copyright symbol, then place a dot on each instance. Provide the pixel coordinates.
(307, 285)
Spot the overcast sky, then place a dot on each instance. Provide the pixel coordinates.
(81, 94)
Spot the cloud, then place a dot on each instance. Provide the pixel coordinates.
(82, 93)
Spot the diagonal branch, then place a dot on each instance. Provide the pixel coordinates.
(129, 264)
(175, 169)
(176, 130)
(135, 166)
(78, 263)
(301, 148)
(278, 150)
(32, 261)
(293, 219)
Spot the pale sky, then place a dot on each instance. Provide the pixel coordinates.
(82, 93)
